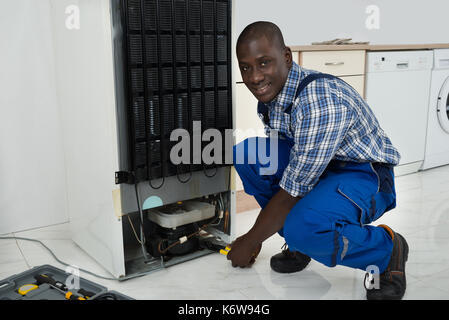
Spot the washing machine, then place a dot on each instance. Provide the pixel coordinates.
(437, 138)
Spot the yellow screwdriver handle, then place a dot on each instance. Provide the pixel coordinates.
(225, 251)
(70, 296)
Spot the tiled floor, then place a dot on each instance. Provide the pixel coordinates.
(422, 216)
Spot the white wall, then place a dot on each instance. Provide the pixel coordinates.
(305, 21)
(32, 174)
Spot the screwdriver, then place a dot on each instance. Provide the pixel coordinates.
(43, 278)
(85, 293)
(225, 251)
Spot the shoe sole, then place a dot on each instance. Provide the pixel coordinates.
(285, 269)
(405, 256)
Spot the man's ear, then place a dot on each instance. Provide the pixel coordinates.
(288, 56)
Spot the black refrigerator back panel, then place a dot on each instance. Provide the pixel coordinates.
(178, 70)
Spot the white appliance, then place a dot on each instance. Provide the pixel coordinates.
(397, 90)
(90, 72)
(437, 139)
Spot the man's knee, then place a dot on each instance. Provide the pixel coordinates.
(308, 231)
(296, 233)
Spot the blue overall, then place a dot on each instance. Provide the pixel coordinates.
(330, 223)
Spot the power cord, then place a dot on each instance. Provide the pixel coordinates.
(142, 236)
(56, 258)
(134, 230)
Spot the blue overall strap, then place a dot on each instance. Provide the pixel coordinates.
(263, 109)
(305, 82)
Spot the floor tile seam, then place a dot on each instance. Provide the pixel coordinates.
(33, 229)
(21, 252)
(53, 260)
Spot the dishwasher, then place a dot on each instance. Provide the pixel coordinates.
(397, 90)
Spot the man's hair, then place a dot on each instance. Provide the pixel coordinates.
(260, 29)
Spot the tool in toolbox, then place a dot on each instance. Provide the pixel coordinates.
(44, 278)
(23, 290)
(69, 295)
(86, 294)
(46, 283)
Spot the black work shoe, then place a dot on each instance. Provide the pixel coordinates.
(392, 282)
(289, 261)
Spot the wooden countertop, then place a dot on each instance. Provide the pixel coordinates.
(369, 47)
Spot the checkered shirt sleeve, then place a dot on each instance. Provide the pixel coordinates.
(320, 128)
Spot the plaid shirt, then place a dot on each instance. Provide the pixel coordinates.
(328, 120)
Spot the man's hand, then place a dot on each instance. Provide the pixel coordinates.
(243, 252)
(245, 249)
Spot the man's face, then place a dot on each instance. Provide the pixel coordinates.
(264, 67)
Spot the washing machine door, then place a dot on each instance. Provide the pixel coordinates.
(443, 106)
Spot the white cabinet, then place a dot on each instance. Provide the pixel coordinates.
(339, 63)
(348, 65)
(247, 122)
(357, 82)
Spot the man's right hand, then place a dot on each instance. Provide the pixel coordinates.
(243, 252)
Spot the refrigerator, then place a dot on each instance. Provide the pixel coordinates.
(130, 74)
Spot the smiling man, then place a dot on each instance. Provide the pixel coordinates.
(335, 170)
